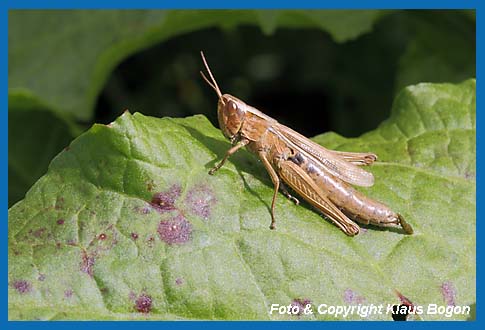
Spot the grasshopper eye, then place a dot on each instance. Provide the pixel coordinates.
(233, 106)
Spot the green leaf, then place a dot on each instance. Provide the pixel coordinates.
(86, 242)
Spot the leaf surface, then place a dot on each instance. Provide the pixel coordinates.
(127, 224)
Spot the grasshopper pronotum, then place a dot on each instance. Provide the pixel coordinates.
(319, 175)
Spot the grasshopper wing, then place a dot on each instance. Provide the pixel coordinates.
(329, 160)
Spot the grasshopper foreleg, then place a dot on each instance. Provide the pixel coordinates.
(229, 152)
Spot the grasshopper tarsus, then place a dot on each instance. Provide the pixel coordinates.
(272, 226)
(216, 168)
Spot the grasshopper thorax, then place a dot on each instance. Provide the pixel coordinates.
(230, 112)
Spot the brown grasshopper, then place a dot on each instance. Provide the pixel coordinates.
(319, 175)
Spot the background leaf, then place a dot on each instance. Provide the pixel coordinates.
(88, 243)
(429, 56)
(94, 42)
(31, 146)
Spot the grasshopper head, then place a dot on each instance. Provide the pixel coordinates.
(230, 109)
(230, 112)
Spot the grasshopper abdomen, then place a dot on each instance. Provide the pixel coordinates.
(354, 203)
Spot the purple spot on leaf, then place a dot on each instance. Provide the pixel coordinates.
(301, 304)
(176, 230)
(351, 297)
(143, 303)
(200, 200)
(150, 241)
(68, 293)
(60, 221)
(22, 286)
(87, 264)
(134, 236)
(449, 293)
(179, 281)
(106, 240)
(39, 232)
(165, 200)
(142, 210)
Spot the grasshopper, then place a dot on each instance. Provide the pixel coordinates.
(321, 176)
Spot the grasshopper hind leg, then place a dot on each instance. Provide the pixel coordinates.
(295, 177)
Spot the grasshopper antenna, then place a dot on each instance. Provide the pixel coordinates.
(213, 84)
